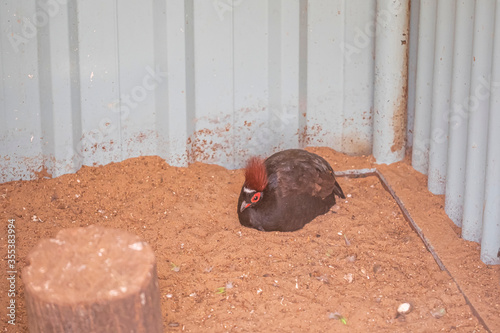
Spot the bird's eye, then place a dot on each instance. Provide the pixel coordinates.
(256, 197)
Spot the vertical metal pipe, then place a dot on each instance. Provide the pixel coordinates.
(423, 86)
(490, 244)
(479, 96)
(412, 69)
(391, 70)
(457, 131)
(443, 61)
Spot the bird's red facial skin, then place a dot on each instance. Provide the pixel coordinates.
(256, 197)
(250, 201)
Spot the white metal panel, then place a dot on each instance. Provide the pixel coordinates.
(284, 44)
(101, 140)
(174, 59)
(251, 88)
(213, 71)
(361, 31)
(138, 79)
(57, 78)
(325, 75)
(21, 137)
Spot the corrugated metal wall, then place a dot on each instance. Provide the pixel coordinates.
(92, 82)
(456, 137)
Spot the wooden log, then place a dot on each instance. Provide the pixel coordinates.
(92, 279)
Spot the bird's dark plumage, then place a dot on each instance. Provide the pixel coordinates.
(286, 191)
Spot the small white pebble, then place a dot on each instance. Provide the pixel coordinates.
(169, 295)
(349, 195)
(259, 291)
(192, 294)
(404, 308)
(339, 233)
(229, 285)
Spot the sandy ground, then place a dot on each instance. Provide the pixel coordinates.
(346, 271)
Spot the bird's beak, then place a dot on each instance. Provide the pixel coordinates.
(244, 205)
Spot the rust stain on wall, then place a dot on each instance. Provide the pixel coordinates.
(201, 147)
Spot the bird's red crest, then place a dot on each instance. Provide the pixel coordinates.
(256, 174)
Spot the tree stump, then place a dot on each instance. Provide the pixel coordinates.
(92, 279)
